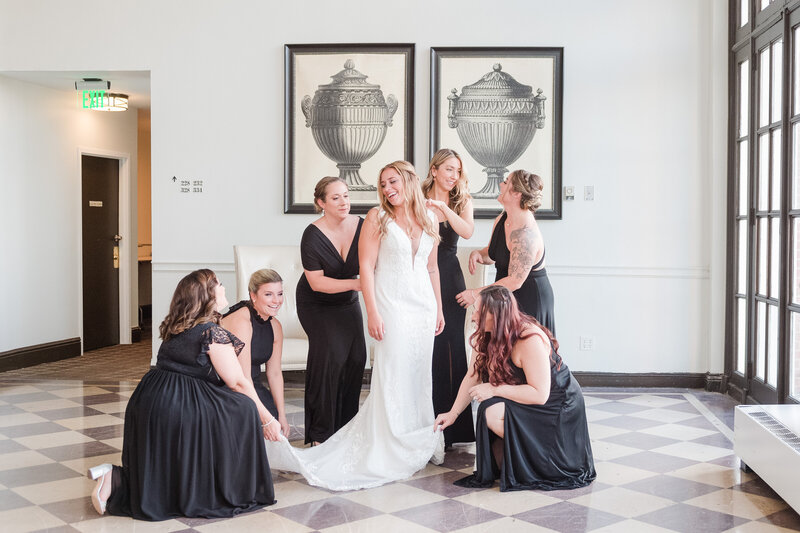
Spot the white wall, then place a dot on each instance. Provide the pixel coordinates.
(41, 130)
(639, 269)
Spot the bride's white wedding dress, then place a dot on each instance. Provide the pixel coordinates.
(392, 436)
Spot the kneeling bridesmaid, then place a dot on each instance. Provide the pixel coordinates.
(194, 427)
(531, 425)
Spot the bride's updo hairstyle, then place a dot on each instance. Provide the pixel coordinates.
(530, 187)
(493, 348)
(193, 303)
(414, 201)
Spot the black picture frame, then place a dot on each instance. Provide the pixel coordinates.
(453, 68)
(307, 66)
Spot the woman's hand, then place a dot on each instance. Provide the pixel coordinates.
(444, 420)
(356, 285)
(439, 322)
(475, 258)
(466, 298)
(285, 429)
(272, 430)
(375, 326)
(482, 392)
(437, 205)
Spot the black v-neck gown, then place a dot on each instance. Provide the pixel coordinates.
(337, 350)
(449, 363)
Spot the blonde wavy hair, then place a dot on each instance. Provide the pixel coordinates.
(414, 200)
(530, 187)
(459, 194)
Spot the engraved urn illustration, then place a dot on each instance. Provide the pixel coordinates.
(496, 119)
(349, 119)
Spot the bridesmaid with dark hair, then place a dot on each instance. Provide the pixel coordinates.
(532, 431)
(447, 193)
(328, 309)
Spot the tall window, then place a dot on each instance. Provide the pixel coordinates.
(763, 339)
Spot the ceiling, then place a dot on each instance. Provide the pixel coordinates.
(136, 84)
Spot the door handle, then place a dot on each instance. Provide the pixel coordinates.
(116, 256)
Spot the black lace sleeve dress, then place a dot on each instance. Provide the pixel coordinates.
(546, 447)
(191, 446)
(449, 349)
(261, 346)
(337, 350)
(535, 297)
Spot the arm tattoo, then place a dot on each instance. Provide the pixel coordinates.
(521, 253)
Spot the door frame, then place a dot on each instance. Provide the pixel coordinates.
(125, 252)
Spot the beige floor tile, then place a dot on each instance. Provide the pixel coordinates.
(85, 463)
(50, 440)
(622, 502)
(47, 405)
(113, 407)
(599, 431)
(616, 474)
(126, 393)
(678, 432)
(114, 443)
(606, 451)
(632, 526)
(118, 524)
(595, 415)
(19, 419)
(431, 470)
(506, 525)
(665, 416)
(28, 519)
(507, 503)
(74, 392)
(84, 422)
(9, 461)
(738, 503)
(259, 522)
(56, 491)
(590, 400)
(382, 524)
(393, 497)
(13, 390)
(711, 474)
(693, 451)
(289, 408)
(293, 493)
(654, 401)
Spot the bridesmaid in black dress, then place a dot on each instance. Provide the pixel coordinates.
(447, 192)
(517, 249)
(194, 427)
(328, 309)
(254, 322)
(532, 431)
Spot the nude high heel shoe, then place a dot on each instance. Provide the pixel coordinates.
(95, 472)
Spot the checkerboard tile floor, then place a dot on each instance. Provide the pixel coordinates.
(664, 462)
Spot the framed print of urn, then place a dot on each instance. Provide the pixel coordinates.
(349, 110)
(500, 109)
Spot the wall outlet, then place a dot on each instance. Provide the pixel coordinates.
(586, 344)
(588, 193)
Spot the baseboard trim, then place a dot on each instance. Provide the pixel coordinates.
(40, 353)
(683, 380)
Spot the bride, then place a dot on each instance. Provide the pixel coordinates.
(390, 438)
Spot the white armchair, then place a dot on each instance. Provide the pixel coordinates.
(285, 260)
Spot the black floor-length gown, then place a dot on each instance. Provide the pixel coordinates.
(192, 447)
(535, 297)
(261, 346)
(449, 351)
(546, 447)
(337, 350)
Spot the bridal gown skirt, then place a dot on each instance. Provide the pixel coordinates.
(392, 436)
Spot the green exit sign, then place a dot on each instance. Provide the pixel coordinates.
(92, 99)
